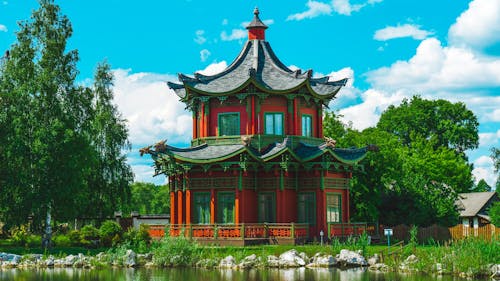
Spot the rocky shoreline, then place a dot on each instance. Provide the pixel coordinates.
(289, 259)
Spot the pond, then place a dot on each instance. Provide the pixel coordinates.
(190, 274)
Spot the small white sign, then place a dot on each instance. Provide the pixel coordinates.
(388, 231)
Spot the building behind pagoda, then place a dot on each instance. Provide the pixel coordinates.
(258, 169)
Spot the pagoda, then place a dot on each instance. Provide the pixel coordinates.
(258, 167)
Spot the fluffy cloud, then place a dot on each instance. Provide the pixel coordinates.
(213, 68)
(153, 111)
(401, 31)
(204, 54)
(236, 34)
(435, 67)
(342, 7)
(314, 9)
(489, 139)
(200, 38)
(3, 28)
(483, 169)
(478, 26)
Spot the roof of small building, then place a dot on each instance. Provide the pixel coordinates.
(257, 64)
(471, 204)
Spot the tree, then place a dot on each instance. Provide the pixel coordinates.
(494, 213)
(449, 125)
(481, 186)
(147, 198)
(110, 175)
(495, 156)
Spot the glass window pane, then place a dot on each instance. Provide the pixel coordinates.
(225, 207)
(306, 126)
(229, 124)
(269, 124)
(266, 207)
(278, 124)
(333, 208)
(201, 207)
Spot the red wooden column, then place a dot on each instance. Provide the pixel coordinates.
(212, 206)
(202, 121)
(237, 206)
(254, 121)
(172, 208)
(188, 206)
(320, 212)
(179, 207)
(195, 121)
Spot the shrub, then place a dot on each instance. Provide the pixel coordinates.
(19, 235)
(110, 233)
(175, 251)
(75, 237)
(89, 236)
(62, 240)
(138, 239)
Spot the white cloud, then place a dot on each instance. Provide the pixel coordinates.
(342, 7)
(314, 9)
(3, 28)
(436, 67)
(489, 139)
(153, 111)
(493, 116)
(200, 38)
(236, 34)
(483, 169)
(478, 26)
(214, 68)
(204, 54)
(401, 31)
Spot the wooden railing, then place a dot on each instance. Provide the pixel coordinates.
(232, 231)
(350, 229)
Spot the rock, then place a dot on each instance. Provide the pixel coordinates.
(304, 257)
(273, 261)
(249, 262)
(49, 262)
(495, 271)
(320, 260)
(348, 258)
(379, 267)
(206, 263)
(149, 264)
(407, 264)
(291, 259)
(227, 262)
(129, 259)
(70, 260)
(374, 260)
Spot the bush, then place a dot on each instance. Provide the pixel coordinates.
(89, 236)
(19, 235)
(175, 251)
(110, 233)
(63, 241)
(138, 239)
(75, 237)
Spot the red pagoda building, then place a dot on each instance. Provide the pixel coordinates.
(258, 168)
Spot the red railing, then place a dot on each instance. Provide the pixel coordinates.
(350, 229)
(232, 231)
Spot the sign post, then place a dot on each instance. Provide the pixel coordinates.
(388, 233)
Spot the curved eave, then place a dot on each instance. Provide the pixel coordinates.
(190, 89)
(335, 155)
(212, 160)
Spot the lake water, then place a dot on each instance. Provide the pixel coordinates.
(190, 274)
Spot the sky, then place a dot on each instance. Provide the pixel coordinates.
(389, 49)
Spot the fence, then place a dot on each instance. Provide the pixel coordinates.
(441, 233)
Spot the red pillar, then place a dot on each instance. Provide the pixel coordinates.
(320, 121)
(212, 206)
(179, 207)
(253, 116)
(202, 121)
(188, 206)
(195, 119)
(172, 208)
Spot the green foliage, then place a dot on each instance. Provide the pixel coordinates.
(495, 156)
(110, 233)
(175, 251)
(147, 198)
(481, 186)
(74, 237)
(494, 213)
(89, 236)
(62, 241)
(420, 167)
(138, 239)
(61, 142)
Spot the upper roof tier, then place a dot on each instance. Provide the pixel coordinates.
(258, 65)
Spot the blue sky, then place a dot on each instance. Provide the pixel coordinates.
(391, 49)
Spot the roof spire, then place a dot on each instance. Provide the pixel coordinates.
(256, 28)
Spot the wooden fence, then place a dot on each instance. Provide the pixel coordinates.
(441, 233)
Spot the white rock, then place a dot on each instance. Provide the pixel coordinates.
(379, 267)
(273, 261)
(129, 259)
(320, 260)
(348, 258)
(291, 259)
(249, 262)
(495, 271)
(374, 260)
(227, 262)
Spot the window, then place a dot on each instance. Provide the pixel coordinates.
(229, 124)
(267, 208)
(273, 123)
(201, 207)
(333, 207)
(307, 125)
(306, 208)
(225, 207)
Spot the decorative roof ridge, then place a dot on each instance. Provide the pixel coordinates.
(187, 149)
(274, 58)
(174, 86)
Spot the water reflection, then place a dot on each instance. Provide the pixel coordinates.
(189, 274)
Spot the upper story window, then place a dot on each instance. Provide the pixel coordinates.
(307, 125)
(273, 123)
(229, 124)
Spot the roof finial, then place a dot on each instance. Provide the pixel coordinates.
(256, 28)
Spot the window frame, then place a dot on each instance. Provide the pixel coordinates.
(219, 115)
(307, 207)
(196, 216)
(273, 201)
(220, 216)
(339, 196)
(274, 122)
(304, 118)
